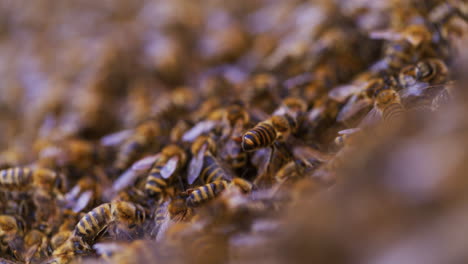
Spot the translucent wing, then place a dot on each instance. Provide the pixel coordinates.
(340, 93)
(116, 138)
(349, 131)
(138, 168)
(196, 165)
(386, 35)
(416, 89)
(170, 167)
(372, 118)
(198, 129)
(145, 163)
(307, 153)
(83, 201)
(352, 107)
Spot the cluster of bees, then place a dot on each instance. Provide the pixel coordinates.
(183, 138)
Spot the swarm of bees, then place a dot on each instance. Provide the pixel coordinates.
(187, 132)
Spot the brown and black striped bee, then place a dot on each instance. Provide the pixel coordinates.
(211, 190)
(171, 160)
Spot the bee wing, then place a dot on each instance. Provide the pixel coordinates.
(341, 92)
(17, 247)
(198, 129)
(414, 90)
(386, 35)
(116, 138)
(352, 107)
(307, 153)
(349, 131)
(107, 248)
(83, 201)
(371, 119)
(196, 165)
(145, 163)
(170, 167)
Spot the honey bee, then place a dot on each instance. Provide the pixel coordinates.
(21, 178)
(96, 222)
(143, 137)
(403, 47)
(388, 103)
(160, 215)
(203, 149)
(59, 238)
(37, 245)
(211, 190)
(82, 194)
(11, 234)
(266, 133)
(426, 72)
(171, 160)
(72, 248)
(237, 118)
(261, 92)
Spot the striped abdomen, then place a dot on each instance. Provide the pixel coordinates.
(155, 183)
(93, 222)
(206, 192)
(393, 112)
(262, 135)
(16, 178)
(211, 170)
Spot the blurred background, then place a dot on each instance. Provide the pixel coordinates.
(86, 69)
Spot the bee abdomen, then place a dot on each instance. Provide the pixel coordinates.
(206, 192)
(93, 222)
(15, 177)
(211, 170)
(155, 183)
(393, 112)
(262, 135)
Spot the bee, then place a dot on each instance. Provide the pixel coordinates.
(59, 238)
(388, 103)
(21, 178)
(72, 248)
(211, 190)
(403, 47)
(11, 234)
(94, 223)
(83, 194)
(37, 245)
(425, 72)
(266, 133)
(203, 149)
(237, 118)
(160, 215)
(261, 92)
(128, 214)
(143, 137)
(171, 160)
